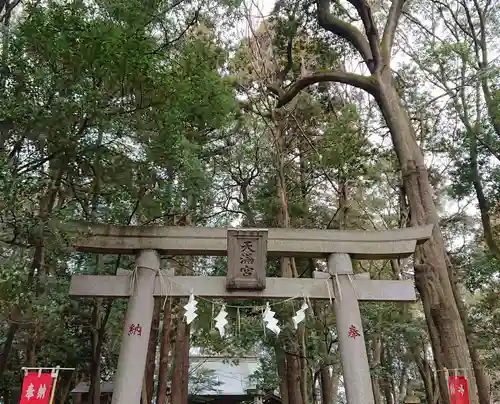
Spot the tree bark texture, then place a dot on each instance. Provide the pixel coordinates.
(282, 374)
(179, 393)
(327, 396)
(375, 362)
(95, 360)
(293, 369)
(431, 275)
(293, 379)
(7, 345)
(161, 397)
(151, 357)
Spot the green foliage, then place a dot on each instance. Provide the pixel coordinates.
(479, 267)
(266, 377)
(102, 120)
(203, 380)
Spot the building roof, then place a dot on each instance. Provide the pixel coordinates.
(106, 387)
(232, 399)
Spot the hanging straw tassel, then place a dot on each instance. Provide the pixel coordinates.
(133, 281)
(349, 276)
(238, 320)
(212, 318)
(330, 291)
(263, 322)
(338, 286)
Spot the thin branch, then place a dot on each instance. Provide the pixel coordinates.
(355, 80)
(453, 15)
(289, 46)
(344, 30)
(365, 12)
(390, 26)
(190, 24)
(9, 7)
(346, 12)
(289, 60)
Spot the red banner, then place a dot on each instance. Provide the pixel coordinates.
(458, 390)
(36, 388)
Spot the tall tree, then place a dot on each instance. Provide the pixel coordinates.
(434, 273)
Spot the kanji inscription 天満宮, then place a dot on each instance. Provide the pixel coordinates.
(246, 259)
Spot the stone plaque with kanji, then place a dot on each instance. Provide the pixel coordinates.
(246, 259)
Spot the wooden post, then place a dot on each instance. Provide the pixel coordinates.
(55, 375)
(355, 366)
(137, 327)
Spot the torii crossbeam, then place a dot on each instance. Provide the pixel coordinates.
(246, 250)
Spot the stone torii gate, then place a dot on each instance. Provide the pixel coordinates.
(246, 250)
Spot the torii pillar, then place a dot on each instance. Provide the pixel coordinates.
(134, 349)
(355, 365)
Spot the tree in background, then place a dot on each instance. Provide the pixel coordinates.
(434, 272)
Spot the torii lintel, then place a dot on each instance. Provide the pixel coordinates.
(207, 241)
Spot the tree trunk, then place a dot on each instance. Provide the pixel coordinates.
(179, 392)
(304, 367)
(151, 356)
(31, 350)
(6, 396)
(288, 270)
(326, 386)
(293, 379)
(282, 374)
(431, 273)
(385, 381)
(46, 204)
(482, 379)
(161, 397)
(375, 362)
(64, 387)
(388, 392)
(425, 371)
(95, 360)
(7, 345)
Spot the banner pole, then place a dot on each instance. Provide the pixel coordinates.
(55, 374)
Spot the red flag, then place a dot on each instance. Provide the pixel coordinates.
(36, 388)
(458, 390)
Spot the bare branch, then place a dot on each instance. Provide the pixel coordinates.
(7, 7)
(390, 26)
(344, 30)
(347, 13)
(365, 12)
(289, 60)
(355, 80)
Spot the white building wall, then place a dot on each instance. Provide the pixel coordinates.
(234, 377)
